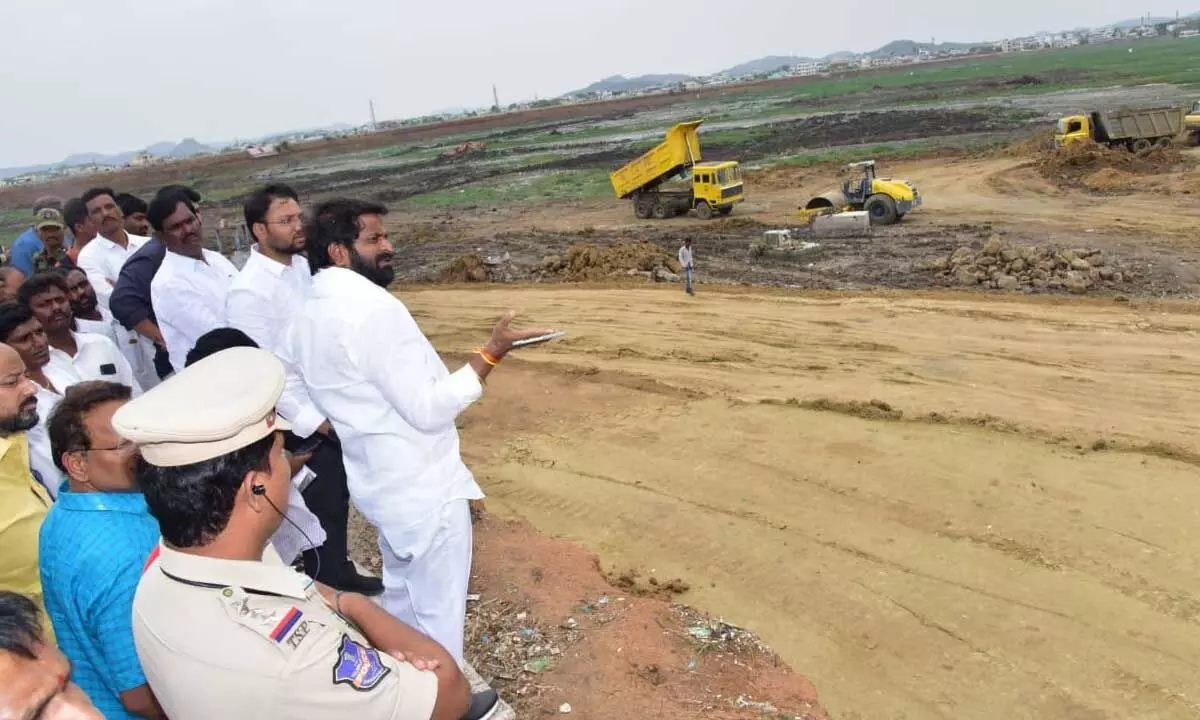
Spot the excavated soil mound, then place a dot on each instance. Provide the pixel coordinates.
(1077, 165)
(464, 269)
(1002, 266)
(593, 262)
(1036, 145)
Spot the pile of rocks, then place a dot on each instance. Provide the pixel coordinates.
(1003, 266)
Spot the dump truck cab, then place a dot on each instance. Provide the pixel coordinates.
(716, 187)
(1072, 129)
(1192, 124)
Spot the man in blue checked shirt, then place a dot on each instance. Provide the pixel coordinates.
(93, 545)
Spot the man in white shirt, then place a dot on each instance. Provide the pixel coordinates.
(89, 356)
(268, 292)
(101, 259)
(188, 291)
(393, 403)
(85, 307)
(685, 259)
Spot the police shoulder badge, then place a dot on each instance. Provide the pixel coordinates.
(358, 666)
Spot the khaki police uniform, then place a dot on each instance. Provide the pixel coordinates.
(243, 639)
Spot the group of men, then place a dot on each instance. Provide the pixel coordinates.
(167, 422)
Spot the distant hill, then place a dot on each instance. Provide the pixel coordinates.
(620, 83)
(190, 148)
(768, 64)
(1125, 24)
(910, 47)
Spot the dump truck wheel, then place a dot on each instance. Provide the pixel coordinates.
(1165, 143)
(642, 209)
(725, 210)
(882, 209)
(704, 210)
(661, 211)
(1140, 146)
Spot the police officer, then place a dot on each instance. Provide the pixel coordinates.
(222, 627)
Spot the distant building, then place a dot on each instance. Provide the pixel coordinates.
(143, 159)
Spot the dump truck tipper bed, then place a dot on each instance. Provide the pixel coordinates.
(1136, 130)
(715, 186)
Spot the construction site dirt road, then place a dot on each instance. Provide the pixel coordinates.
(932, 506)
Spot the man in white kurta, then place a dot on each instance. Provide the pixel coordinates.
(101, 260)
(269, 291)
(188, 291)
(392, 401)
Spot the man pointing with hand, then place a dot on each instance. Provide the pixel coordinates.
(393, 404)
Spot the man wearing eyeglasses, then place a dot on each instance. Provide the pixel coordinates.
(93, 545)
(269, 290)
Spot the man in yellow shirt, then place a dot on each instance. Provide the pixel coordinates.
(23, 500)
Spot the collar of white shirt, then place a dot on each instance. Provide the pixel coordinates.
(135, 241)
(258, 261)
(332, 281)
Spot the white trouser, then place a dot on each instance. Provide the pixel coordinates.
(426, 570)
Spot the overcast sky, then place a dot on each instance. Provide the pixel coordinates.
(117, 75)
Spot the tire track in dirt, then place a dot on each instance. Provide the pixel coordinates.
(940, 566)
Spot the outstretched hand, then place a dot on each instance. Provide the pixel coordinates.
(503, 335)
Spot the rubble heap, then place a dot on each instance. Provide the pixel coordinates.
(1003, 266)
(592, 262)
(1096, 167)
(474, 268)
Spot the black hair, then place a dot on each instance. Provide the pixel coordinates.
(20, 625)
(336, 222)
(75, 212)
(256, 206)
(190, 193)
(214, 341)
(66, 427)
(40, 283)
(96, 192)
(162, 207)
(131, 204)
(12, 316)
(193, 503)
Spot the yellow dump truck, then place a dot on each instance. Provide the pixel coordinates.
(1191, 123)
(714, 187)
(1136, 130)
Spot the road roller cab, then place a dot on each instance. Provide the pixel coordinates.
(884, 199)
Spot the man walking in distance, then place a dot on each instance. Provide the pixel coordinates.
(685, 259)
(393, 403)
(263, 298)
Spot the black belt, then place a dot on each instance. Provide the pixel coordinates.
(215, 586)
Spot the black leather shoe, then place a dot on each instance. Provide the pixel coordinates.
(483, 705)
(364, 584)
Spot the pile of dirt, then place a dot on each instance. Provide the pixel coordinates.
(1078, 164)
(1036, 145)
(1003, 266)
(474, 268)
(592, 262)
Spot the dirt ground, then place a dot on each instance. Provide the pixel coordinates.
(1006, 532)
